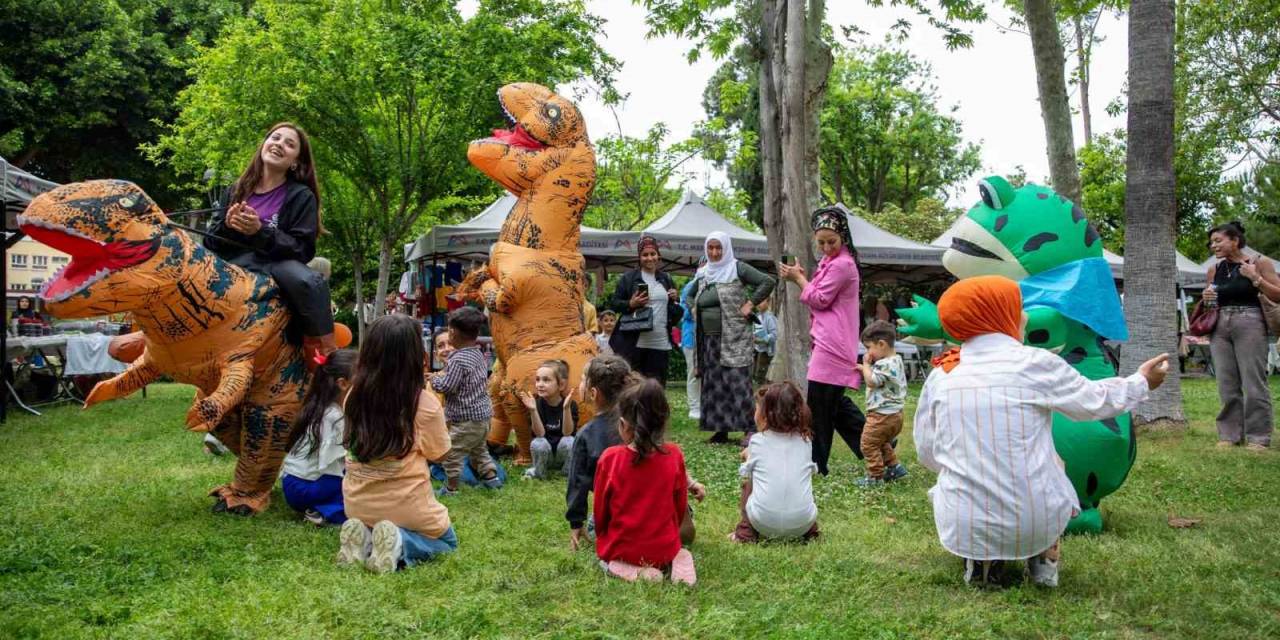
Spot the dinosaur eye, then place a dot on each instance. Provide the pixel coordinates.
(127, 202)
(553, 112)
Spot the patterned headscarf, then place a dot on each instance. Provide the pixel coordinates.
(835, 220)
(647, 242)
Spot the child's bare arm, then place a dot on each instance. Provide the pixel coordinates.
(535, 420)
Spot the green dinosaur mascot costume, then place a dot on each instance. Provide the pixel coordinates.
(1043, 241)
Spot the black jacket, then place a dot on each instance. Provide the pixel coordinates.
(293, 237)
(588, 445)
(624, 342)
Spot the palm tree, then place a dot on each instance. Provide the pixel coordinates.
(1149, 263)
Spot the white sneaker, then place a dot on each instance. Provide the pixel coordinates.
(353, 548)
(531, 474)
(387, 547)
(1043, 572)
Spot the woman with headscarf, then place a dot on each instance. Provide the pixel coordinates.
(647, 304)
(984, 423)
(724, 299)
(834, 324)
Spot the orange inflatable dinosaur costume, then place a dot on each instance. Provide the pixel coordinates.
(206, 322)
(534, 282)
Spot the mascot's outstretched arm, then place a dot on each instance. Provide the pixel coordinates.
(205, 413)
(138, 375)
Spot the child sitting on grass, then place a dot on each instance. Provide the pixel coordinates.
(552, 417)
(603, 381)
(985, 425)
(394, 427)
(642, 494)
(886, 379)
(777, 488)
(312, 478)
(465, 385)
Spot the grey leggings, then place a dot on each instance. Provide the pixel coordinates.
(1239, 347)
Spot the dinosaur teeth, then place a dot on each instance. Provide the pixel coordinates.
(24, 220)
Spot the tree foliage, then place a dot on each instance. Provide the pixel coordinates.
(637, 179)
(884, 137)
(83, 83)
(391, 93)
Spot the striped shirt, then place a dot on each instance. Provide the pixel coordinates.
(464, 384)
(986, 428)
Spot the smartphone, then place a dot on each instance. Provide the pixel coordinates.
(642, 289)
(788, 260)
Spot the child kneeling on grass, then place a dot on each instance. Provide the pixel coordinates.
(985, 425)
(553, 417)
(394, 427)
(312, 472)
(642, 494)
(886, 379)
(777, 488)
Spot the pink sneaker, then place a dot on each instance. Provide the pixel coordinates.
(631, 572)
(682, 568)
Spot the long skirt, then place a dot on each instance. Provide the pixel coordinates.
(727, 403)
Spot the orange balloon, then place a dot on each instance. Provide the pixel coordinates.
(341, 335)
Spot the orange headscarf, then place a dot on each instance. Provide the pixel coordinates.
(978, 306)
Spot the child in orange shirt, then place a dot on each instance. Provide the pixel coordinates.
(394, 427)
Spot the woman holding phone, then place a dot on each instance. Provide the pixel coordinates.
(725, 296)
(833, 300)
(646, 301)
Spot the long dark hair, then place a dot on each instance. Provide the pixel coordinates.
(322, 393)
(644, 406)
(385, 389)
(304, 170)
(784, 409)
(609, 375)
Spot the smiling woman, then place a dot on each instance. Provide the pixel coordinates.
(270, 226)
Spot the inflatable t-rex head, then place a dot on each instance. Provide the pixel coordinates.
(546, 147)
(108, 227)
(1019, 232)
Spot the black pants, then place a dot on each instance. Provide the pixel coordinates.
(831, 416)
(651, 363)
(305, 292)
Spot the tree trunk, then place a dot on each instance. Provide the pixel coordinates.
(357, 263)
(1046, 46)
(1150, 229)
(385, 254)
(1082, 73)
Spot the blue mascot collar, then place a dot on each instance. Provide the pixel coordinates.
(1082, 290)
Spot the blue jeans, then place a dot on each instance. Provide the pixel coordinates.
(419, 548)
(323, 494)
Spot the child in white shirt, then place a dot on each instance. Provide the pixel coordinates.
(777, 488)
(311, 477)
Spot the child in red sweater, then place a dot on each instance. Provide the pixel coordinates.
(642, 494)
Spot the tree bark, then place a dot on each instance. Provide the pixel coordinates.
(1150, 229)
(385, 254)
(357, 264)
(1046, 46)
(1082, 73)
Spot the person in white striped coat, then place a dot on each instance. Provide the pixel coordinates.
(984, 424)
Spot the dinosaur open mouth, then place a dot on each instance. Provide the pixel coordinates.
(91, 260)
(516, 136)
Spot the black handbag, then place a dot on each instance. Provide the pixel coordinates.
(639, 320)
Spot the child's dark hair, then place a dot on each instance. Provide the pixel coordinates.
(1233, 230)
(609, 375)
(560, 367)
(879, 330)
(644, 406)
(784, 409)
(384, 392)
(467, 321)
(322, 393)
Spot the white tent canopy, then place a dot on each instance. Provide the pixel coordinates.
(472, 239)
(17, 188)
(683, 230)
(1249, 252)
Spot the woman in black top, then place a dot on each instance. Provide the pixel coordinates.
(646, 351)
(270, 226)
(1239, 341)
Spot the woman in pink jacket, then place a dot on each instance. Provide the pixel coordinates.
(832, 296)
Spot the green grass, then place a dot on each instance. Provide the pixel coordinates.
(106, 532)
